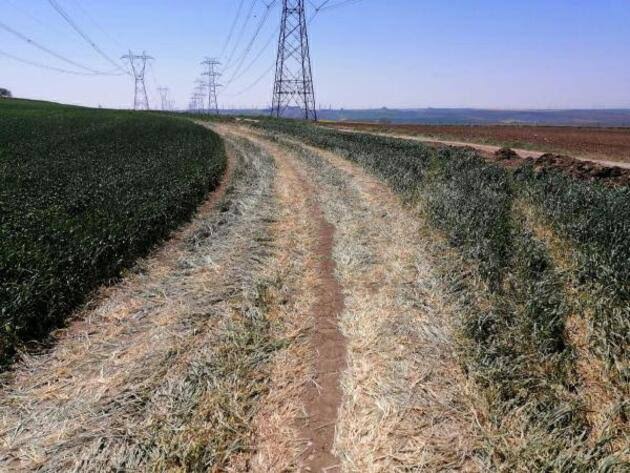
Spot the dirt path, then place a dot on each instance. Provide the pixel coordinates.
(406, 405)
(295, 324)
(322, 395)
(484, 149)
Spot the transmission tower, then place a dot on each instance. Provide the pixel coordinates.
(198, 97)
(164, 97)
(138, 65)
(293, 86)
(211, 83)
(192, 104)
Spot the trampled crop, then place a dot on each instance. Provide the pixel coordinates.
(83, 193)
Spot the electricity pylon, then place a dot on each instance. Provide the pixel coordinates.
(164, 97)
(211, 84)
(192, 106)
(293, 85)
(138, 65)
(199, 102)
(198, 95)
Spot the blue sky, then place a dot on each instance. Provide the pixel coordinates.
(394, 53)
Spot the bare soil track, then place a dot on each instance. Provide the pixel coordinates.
(295, 324)
(322, 394)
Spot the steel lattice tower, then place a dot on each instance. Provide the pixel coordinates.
(138, 65)
(211, 84)
(198, 96)
(293, 85)
(164, 97)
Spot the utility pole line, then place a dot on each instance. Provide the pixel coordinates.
(138, 65)
(211, 85)
(293, 85)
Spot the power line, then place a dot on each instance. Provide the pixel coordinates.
(274, 34)
(256, 82)
(86, 14)
(45, 66)
(233, 27)
(166, 103)
(153, 77)
(45, 24)
(325, 5)
(228, 62)
(80, 32)
(196, 100)
(211, 85)
(248, 49)
(51, 52)
(317, 10)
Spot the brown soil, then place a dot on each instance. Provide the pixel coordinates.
(322, 396)
(611, 144)
(506, 154)
(583, 170)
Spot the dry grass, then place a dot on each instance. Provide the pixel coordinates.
(279, 445)
(405, 406)
(303, 412)
(164, 372)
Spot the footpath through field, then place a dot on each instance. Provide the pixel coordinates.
(296, 324)
(403, 403)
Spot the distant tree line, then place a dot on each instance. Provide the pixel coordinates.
(5, 93)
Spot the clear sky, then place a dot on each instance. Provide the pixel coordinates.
(394, 53)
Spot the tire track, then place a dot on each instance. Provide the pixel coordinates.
(322, 395)
(407, 404)
(228, 352)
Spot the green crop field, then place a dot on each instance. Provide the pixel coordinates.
(539, 268)
(83, 193)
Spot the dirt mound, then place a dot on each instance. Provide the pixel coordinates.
(584, 170)
(505, 154)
